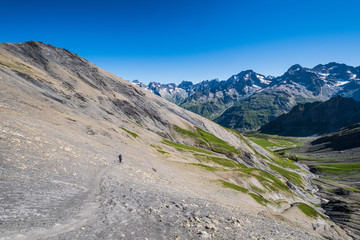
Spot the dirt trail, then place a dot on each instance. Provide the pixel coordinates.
(90, 206)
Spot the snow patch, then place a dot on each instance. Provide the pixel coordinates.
(341, 83)
(263, 80)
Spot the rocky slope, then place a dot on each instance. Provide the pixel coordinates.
(249, 100)
(64, 122)
(316, 118)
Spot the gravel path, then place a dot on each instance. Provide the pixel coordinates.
(127, 203)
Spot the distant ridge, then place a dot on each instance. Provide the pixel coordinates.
(315, 118)
(345, 138)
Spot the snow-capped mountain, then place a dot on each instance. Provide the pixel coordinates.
(248, 100)
(211, 97)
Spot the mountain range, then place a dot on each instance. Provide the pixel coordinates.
(248, 100)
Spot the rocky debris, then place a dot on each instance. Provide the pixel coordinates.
(173, 215)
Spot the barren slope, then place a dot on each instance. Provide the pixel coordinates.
(63, 123)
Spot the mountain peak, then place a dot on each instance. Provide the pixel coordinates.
(32, 42)
(294, 68)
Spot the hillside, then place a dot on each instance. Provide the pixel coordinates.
(64, 121)
(316, 118)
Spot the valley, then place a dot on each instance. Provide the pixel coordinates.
(338, 173)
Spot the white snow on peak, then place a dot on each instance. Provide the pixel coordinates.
(262, 79)
(353, 76)
(333, 67)
(323, 75)
(341, 83)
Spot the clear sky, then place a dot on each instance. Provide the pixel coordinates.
(174, 40)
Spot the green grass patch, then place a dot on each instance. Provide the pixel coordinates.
(162, 151)
(217, 143)
(265, 140)
(338, 168)
(129, 132)
(220, 161)
(208, 168)
(207, 140)
(155, 146)
(270, 141)
(266, 179)
(353, 190)
(309, 211)
(233, 186)
(259, 199)
(257, 189)
(284, 162)
(180, 146)
(292, 176)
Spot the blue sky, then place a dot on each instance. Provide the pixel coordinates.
(175, 40)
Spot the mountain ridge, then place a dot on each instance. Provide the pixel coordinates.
(236, 98)
(315, 118)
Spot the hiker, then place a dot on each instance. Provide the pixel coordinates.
(120, 158)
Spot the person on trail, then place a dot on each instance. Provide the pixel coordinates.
(120, 158)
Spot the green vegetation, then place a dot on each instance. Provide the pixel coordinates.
(269, 181)
(182, 147)
(257, 189)
(300, 158)
(218, 144)
(207, 140)
(205, 109)
(266, 140)
(338, 168)
(284, 162)
(259, 199)
(353, 190)
(162, 151)
(129, 132)
(270, 141)
(292, 176)
(309, 211)
(220, 161)
(233, 186)
(208, 168)
(15, 65)
(255, 111)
